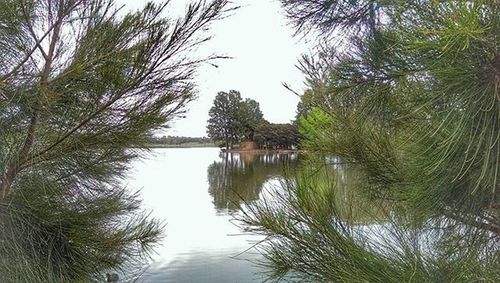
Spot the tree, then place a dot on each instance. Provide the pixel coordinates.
(233, 119)
(223, 124)
(276, 136)
(81, 90)
(250, 117)
(411, 104)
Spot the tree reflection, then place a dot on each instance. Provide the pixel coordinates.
(340, 187)
(239, 177)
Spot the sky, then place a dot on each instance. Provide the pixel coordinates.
(264, 54)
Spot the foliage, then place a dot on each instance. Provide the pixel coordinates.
(232, 119)
(223, 124)
(178, 140)
(250, 118)
(328, 15)
(315, 128)
(277, 136)
(81, 90)
(412, 104)
(54, 234)
(322, 225)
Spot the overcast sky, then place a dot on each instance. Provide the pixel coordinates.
(264, 55)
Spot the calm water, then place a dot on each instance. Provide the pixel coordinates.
(196, 191)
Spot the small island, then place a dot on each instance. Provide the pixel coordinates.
(238, 125)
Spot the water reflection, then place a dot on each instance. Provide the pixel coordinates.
(239, 177)
(201, 242)
(221, 267)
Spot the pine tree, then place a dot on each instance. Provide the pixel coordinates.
(410, 114)
(82, 88)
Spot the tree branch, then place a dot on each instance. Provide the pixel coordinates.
(13, 168)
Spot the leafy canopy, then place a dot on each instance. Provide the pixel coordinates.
(232, 119)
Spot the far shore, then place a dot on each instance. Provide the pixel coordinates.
(233, 150)
(260, 151)
(182, 145)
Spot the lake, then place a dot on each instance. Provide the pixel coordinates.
(196, 191)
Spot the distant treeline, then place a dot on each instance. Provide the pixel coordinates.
(178, 140)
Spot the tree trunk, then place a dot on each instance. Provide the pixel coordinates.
(14, 165)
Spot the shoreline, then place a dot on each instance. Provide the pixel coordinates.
(235, 150)
(262, 151)
(186, 145)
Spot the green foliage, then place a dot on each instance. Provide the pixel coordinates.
(250, 118)
(323, 226)
(314, 128)
(81, 91)
(329, 15)
(223, 124)
(232, 119)
(277, 136)
(51, 234)
(411, 102)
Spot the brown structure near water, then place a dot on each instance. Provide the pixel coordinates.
(252, 147)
